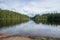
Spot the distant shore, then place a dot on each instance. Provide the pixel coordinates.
(18, 37)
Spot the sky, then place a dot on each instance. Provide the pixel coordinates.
(30, 7)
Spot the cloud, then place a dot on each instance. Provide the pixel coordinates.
(1, 0)
(31, 6)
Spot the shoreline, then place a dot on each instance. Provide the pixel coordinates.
(24, 37)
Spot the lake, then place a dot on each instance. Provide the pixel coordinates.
(33, 29)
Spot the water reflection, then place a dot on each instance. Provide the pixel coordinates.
(33, 29)
(11, 23)
(48, 22)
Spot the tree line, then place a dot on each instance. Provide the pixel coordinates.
(9, 17)
(48, 17)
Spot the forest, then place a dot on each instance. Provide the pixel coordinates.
(11, 18)
(47, 18)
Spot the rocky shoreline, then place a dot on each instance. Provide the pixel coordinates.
(18, 37)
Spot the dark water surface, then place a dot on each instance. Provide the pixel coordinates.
(33, 29)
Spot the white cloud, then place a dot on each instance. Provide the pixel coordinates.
(31, 6)
(1, 0)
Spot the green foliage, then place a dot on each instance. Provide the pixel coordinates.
(10, 18)
(40, 18)
(54, 17)
(48, 18)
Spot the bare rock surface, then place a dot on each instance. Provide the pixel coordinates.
(13, 37)
(18, 37)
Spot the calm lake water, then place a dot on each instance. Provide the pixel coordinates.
(33, 29)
